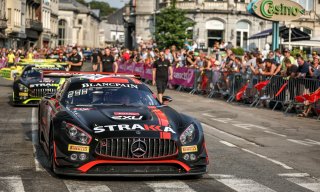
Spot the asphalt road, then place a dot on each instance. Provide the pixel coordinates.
(249, 149)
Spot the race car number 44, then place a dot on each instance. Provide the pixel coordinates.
(78, 148)
(188, 149)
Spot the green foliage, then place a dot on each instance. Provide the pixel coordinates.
(171, 26)
(296, 51)
(238, 51)
(104, 7)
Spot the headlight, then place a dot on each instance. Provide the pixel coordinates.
(23, 88)
(76, 134)
(188, 135)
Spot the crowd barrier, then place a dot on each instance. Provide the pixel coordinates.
(251, 89)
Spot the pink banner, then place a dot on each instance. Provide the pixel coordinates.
(181, 76)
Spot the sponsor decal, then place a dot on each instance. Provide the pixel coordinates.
(78, 148)
(134, 127)
(127, 117)
(277, 10)
(126, 113)
(189, 149)
(81, 109)
(78, 92)
(43, 85)
(86, 85)
(22, 94)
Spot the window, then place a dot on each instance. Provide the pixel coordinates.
(242, 29)
(80, 21)
(9, 15)
(307, 4)
(62, 32)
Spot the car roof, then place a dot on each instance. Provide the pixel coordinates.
(98, 78)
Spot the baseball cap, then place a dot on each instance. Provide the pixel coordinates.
(314, 53)
(286, 50)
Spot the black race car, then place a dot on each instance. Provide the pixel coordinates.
(114, 126)
(33, 84)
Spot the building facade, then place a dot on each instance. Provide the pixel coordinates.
(15, 31)
(216, 20)
(46, 18)
(112, 29)
(54, 5)
(33, 24)
(3, 22)
(77, 25)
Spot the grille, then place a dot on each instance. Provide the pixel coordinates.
(121, 148)
(41, 92)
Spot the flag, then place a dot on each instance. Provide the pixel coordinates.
(241, 92)
(261, 85)
(281, 89)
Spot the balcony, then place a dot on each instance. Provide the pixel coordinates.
(34, 25)
(3, 24)
(217, 5)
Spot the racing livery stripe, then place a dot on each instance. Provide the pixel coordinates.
(163, 120)
(165, 135)
(109, 80)
(84, 168)
(55, 153)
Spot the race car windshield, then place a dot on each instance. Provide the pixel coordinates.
(32, 73)
(110, 96)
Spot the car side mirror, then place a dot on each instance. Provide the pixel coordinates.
(166, 100)
(49, 96)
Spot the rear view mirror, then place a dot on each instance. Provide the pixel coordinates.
(166, 100)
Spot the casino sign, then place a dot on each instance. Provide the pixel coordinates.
(276, 10)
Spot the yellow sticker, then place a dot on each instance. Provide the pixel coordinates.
(22, 94)
(188, 149)
(78, 148)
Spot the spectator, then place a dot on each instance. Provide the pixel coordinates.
(291, 70)
(190, 60)
(315, 68)
(304, 68)
(95, 60)
(270, 67)
(61, 58)
(75, 62)
(10, 58)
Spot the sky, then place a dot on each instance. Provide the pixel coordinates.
(115, 3)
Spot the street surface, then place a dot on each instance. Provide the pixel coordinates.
(249, 149)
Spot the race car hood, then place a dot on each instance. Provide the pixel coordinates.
(104, 119)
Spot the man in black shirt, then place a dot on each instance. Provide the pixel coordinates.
(95, 60)
(108, 63)
(160, 74)
(292, 70)
(75, 62)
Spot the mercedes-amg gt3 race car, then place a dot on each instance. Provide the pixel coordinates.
(113, 125)
(33, 84)
(11, 73)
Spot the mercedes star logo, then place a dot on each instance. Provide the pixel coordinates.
(138, 148)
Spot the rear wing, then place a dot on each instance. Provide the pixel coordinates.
(41, 62)
(67, 74)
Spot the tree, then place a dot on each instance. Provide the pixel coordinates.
(104, 7)
(171, 27)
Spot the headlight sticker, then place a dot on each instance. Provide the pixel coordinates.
(78, 148)
(189, 149)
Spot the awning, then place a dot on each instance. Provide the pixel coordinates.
(313, 42)
(296, 34)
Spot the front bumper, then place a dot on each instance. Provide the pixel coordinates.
(96, 165)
